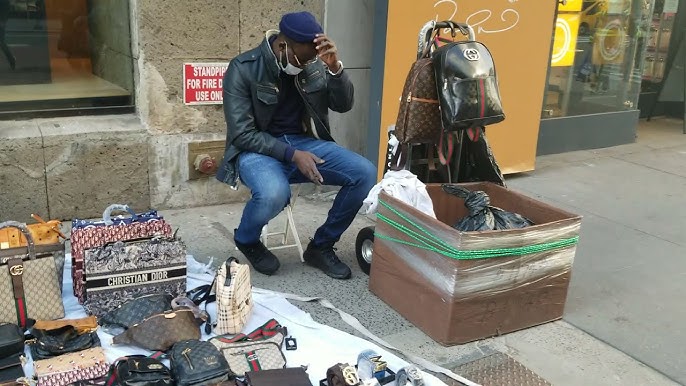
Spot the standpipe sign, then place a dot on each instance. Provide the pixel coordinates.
(202, 83)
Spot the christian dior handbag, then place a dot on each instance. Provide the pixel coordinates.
(87, 234)
(29, 284)
(125, 270)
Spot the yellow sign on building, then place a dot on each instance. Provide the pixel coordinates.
(564, 45)
(571, 6)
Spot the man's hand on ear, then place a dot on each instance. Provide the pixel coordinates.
(327, 51)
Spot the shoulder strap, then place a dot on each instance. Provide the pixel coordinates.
(266, 331)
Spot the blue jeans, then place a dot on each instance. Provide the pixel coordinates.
(269, 181)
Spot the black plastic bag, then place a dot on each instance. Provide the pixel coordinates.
(482, 216)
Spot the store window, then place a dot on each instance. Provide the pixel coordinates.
(64, 55)
(664, 56)
(596, 61)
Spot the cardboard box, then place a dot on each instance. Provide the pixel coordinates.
(456, 298)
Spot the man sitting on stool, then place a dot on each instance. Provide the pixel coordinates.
(276, 102)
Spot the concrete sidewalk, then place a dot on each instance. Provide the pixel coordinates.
(623, 301)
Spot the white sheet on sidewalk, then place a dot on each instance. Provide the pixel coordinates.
(319, 346)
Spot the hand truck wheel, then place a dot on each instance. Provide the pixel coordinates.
(364, 247)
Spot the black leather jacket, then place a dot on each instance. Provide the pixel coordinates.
(251, 91)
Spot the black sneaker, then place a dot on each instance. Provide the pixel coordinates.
(324, 258)
(261, 258)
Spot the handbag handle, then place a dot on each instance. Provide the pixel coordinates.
(107, 214)
(25, 230)
(433, 28)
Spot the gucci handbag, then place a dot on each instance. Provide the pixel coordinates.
(234, 297)
(86, 234)
(29, 283)
(125, 270)
(466, 82)
(258, 350)
(198, 363)
(71, 368)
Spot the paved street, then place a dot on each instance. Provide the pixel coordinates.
(624, 315)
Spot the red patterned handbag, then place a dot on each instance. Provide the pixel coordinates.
(86, 234)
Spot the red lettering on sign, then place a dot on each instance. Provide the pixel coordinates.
(202, 83)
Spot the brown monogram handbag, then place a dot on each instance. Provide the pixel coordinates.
(419, 117)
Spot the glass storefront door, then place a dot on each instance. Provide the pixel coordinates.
(595, 70)
(596, 59)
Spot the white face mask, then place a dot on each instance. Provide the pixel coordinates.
(289, 69)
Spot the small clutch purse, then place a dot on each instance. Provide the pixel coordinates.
(160, 332)
(71, 368)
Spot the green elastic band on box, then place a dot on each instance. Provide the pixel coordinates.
(430, 242)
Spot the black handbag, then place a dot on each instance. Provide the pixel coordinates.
(198, 363)
(292, 376)
(64, 340)
(137, 310)
(467, 84)
(138, 370)
(11, 340)
(11, 369)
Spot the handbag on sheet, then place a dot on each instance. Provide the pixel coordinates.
(258, 350)
(11, 369)
(71, 368)
(11, 340)
(292, 376)
(234, 297)
(160, 332)
(198, 363)
(64, 340)
(138, 370)
(126, 270)
(30, 287)
(135, 311)
(86, 234)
